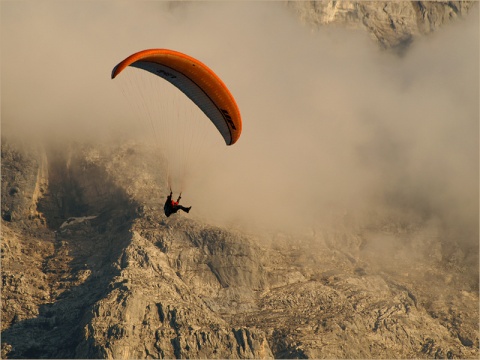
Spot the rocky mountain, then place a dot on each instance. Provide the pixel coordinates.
(91, 268)
(393, 24)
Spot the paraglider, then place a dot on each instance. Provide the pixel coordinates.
(196, 81)
(203, 87)
(171, 206)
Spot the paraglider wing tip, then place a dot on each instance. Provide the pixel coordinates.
(234, 138)
(114, 72)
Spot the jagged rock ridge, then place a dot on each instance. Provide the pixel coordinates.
(393, 24)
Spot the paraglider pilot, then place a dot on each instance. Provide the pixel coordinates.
(171, 206)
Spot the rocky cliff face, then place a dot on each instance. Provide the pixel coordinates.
(92, 269)
(393, 24)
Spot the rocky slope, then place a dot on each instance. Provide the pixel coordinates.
(393, 24)
(92, 269)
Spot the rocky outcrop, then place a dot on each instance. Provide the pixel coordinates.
(91, 268)
(393, 24)
(116, 280)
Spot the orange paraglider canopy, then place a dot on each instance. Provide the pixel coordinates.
(195, 80)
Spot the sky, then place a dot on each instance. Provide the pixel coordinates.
(332, 125)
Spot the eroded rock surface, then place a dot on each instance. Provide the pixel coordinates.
(393, 24)
(91, 268)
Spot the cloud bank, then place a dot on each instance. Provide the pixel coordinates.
(332, 125)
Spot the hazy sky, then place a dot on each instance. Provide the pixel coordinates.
(331, 123)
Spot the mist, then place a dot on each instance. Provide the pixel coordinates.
(333, 126)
